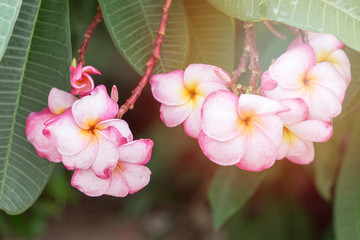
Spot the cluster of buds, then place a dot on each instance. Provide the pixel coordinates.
(86, 137)
(301, 93)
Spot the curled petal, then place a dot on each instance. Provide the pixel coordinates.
(59, 101)
(87, 182)
(284, 145)
(267, 83)
(83, 159)
(175, 115)
(219, 116)
(192, 122)
(290, 69)
(75, 73)
(90, 70)
(94, 108)
(136, 176)
(118, 186)
(68, 137)
(112, 134)
(106, 158)
(312, 130)
(223, 152)
(119, 125)
(83, 86)
(305, 158)
(260, 153)
(299, 110)
(137, 152)
(169, 88)
(196, 73)
(256, 105)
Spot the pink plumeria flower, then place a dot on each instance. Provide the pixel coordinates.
(129, 175)
(58, 102)
(182, 93)
(300, 133)
(327, 49)
(295, 74)
(81, 81)
(87, 135)
(245, 131)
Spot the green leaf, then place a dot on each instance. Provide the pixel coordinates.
(352, 97)
(133, 25)
(37, 59)
(347, 190)
(341, 18)
(9, 10)
(212, 35)
(230, 188)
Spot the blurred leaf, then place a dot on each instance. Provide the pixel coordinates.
(9, 12)
(230, 188)
(212, 35)
(341, 18)
(352, 97)
(37, 59)
(133, 26)
(347, 190)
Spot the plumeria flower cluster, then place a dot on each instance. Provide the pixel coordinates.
(301, 92)
(84, 135)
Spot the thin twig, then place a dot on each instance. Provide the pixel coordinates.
(273, 30)
(299, 33)
(129, 104)
(89, 32)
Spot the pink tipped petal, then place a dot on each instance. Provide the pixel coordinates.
(312, 130)
(306, 158)
(290, 69)
(326, 75)
(260, 152)
(34, 127)
(90, 70)
(271, 125)
(66, 134)
(255, 104)
(136, 176)
(75, 73)
(175, 115)
(323, 44)
(137, 152)
(196, 73)
(118, 124)
(341, 62)
(84, 158)
(223, 75)
(106, 158)
(219, 116)
(205, 88)
(112, 134)
(297, 146)
(169, 88)
(59, 101)
(223, 152)
(118, 186)
(297, 42)
(94, 108)
(267, 83)
(283, 148)
(299, 110)
(192, 122)
(324, 104)
(52, 156)
(87, 182)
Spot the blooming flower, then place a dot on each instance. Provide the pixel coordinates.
(300, 133)
(129, 175)
(87, 135)
(327, 49)
(295, 74)
(245, 131)
(81, 81)
(58, 102)
(182, 93)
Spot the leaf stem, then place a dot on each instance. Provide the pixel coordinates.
(89, 32)
(130, 102)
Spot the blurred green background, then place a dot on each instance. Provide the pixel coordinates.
(174, 205)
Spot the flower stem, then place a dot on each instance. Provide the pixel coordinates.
(89, 32)
(129, 104)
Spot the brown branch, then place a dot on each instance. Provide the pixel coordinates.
(129, 104)
(89, 32)
(299, 33)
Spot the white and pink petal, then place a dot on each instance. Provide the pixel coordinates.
(137, 152)
(87, 182)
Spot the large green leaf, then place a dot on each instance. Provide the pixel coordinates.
(9, 10)
(133, 26)
(37, 58)
(339, 17)
(212, 35)
(347, 190)
(230, 188)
